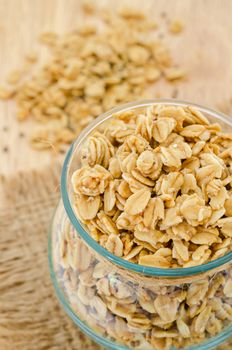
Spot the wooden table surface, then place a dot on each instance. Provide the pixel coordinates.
(204, 48)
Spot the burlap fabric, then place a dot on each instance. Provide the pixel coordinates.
(30, 315)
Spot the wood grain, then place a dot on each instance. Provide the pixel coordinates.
(204, 48)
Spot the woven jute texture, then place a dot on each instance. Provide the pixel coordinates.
(30, 315)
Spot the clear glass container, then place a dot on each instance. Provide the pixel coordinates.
(122, 305)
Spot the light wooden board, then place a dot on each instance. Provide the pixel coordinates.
(204, 48)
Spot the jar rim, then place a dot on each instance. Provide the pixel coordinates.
(146, 270)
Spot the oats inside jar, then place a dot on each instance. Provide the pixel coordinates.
(154, 187)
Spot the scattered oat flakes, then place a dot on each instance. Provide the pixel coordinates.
(32, 57)
(176, 27)
(88, 6)
(5, 94)
(14, 77)
(174, 73)
(90, 70)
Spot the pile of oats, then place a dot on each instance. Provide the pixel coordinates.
(91, 70)
(142, 313)
(154, 187)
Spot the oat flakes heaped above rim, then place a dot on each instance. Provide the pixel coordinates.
(154, 188)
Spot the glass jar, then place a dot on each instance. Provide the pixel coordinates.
(122, 305)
